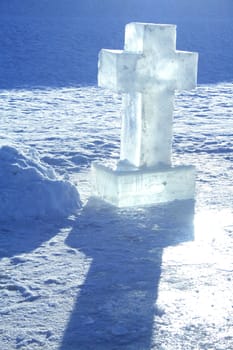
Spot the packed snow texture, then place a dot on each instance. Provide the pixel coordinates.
(145, 278)
(30, 188)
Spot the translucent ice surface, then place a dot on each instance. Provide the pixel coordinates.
(140, 187)
(148, 60)
(150, 37)
(146, 134)
(147, 72)
(116, 70)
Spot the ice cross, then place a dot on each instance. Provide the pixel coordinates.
(147, 72)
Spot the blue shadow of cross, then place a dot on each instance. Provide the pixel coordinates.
(116, 307)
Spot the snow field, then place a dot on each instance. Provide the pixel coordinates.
(156, 277)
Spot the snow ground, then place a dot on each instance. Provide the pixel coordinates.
(104, 278)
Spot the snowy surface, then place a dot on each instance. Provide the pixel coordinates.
(30, 188)
(104, 278)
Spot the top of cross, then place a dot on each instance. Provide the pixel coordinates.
(149, 61)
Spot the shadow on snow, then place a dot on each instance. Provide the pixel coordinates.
(116, 306)
(20, 237)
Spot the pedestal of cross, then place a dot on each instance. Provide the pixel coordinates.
(147, 72)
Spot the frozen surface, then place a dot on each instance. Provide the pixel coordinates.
(155, 278)
(147, 72)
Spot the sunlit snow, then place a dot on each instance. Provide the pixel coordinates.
(154, 277)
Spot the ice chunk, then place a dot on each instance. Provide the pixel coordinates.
(125, 188)
(158, 39)
(187, 70)
(117, 70)
(146, 132)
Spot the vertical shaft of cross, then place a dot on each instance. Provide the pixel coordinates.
(146, 132)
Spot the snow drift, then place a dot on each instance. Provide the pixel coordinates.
(31, 188)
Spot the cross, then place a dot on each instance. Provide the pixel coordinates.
(147, 72)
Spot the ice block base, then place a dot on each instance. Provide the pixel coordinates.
(140, 187)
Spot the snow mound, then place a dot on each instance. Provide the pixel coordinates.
(31, 188)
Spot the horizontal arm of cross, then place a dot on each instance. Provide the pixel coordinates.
(126, 72)
(116, 70)
(186, 70)
(179, 71)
